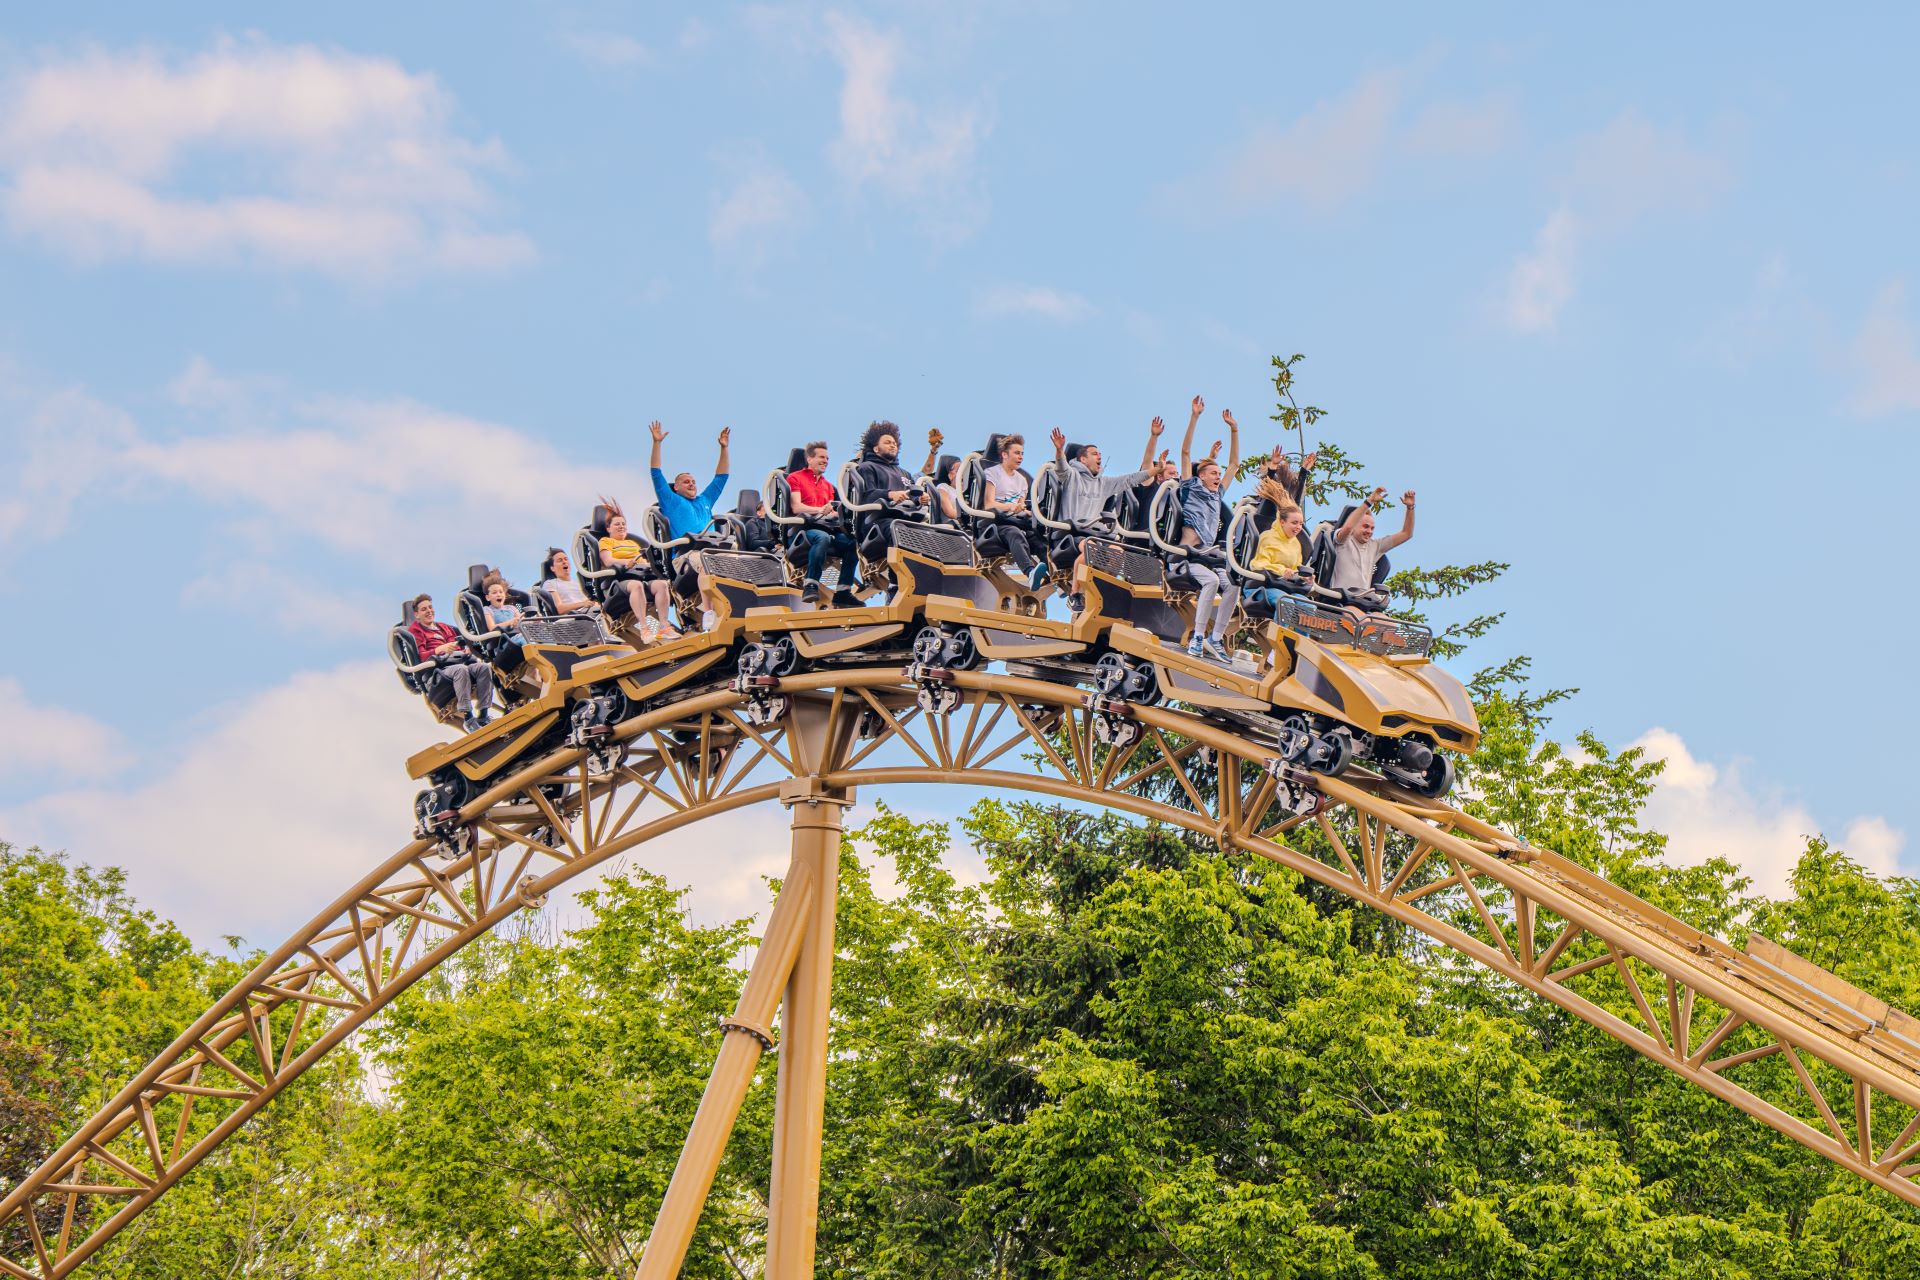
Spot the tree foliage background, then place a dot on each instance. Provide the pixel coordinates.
(1123, 1053)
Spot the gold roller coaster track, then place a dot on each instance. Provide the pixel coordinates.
(1691, 1003)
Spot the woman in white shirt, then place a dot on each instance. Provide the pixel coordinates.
(556, 579)
(1007, 489)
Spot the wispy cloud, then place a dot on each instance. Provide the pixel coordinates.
(888, 141)
(1032, 300)
(1541, 281)
(250, 152)
(1339, 148)
(751, 216)
(404, 482)
(1619, 175)
(1886, 357)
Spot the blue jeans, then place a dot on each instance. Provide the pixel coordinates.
(1270, 596)
(821, 544)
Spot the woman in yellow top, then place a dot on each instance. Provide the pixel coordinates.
(1282, 550)
(627, 559)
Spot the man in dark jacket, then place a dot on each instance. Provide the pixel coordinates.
(883, 479)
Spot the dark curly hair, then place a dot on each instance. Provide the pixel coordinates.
(874, 431)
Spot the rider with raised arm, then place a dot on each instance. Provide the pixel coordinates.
(1084, 494)
(1279, 483)
(813, 497)
(1203, 516)
(689, 508)
(882, 479)
(1356, 552)
(1188, 468)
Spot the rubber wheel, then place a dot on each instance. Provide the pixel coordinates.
(784, 658)
(965, 656)
(1342, 753)
(1439, 779)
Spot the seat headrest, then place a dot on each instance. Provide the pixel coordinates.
(475, 572)
(601, 514)
(748, 504)
(796, 460)
(406, 612)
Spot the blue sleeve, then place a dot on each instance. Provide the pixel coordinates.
(711, 494)
(660, 487)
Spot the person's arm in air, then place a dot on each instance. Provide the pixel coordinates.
(1300, 479)
(720, 477)
(934, 441)
(660, 486)
(1233, 448)
(1406, 525)
(1059, 439)
(1353, 517)
(1153, 439)
(1186, 443)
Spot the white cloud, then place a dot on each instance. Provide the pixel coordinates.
(250, 152)
(1886, 357)
(1617, 176)
(754, 214)
(1541, 282)
(392, 482)
(606, 49)
(1032, 300)
(43, 740)
(1709, 810)
(887, 140)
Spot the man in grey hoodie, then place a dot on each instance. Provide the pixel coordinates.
(1084, 495)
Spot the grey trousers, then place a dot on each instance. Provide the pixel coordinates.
(1216, 591)
(472, 682)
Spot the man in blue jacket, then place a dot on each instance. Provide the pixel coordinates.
(688, 508)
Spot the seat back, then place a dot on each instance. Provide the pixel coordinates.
(592, 574)
(419, 675)
(971, 491)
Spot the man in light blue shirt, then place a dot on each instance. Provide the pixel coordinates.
(688, 508)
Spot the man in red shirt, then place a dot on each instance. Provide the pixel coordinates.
(813, 497)
(471, 678)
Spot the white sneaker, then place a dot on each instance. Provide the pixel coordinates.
(709, 620)
(649, 631)
(1193, 646)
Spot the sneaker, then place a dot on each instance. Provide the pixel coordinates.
(471, 725)
(1037, 575)
(1077, 603)
(1193, 645)
(709, 620)
(844, 599)
(485, 716)
(649, 631)
(1212, 649)
(810, 591)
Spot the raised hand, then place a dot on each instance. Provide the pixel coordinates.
(1378, 495)
(726, 434)
(1199, 406)
(659, 432)
(1059, 438)
(1407, 498)
(935, 439)
(1156, 427)
(1215, 451)
(1228, 415)
(1306, 463)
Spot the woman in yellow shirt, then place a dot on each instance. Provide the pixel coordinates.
(628, 560)
(1281, 551)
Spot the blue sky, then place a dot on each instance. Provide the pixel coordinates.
(302, 311)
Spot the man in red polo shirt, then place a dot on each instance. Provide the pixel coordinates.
(813, 496)
(471, 678)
